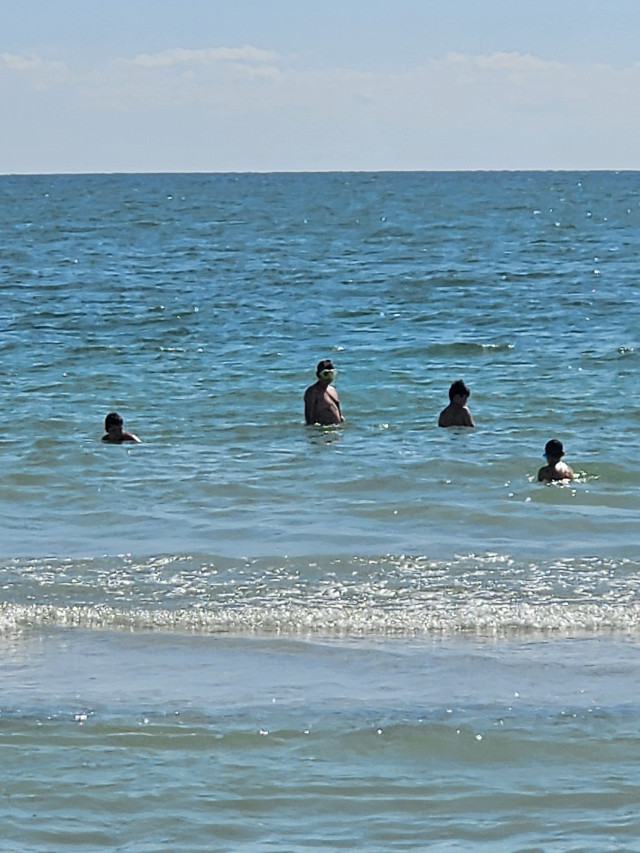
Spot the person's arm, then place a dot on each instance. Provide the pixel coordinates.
(336, 400)
(468, 418)
(309, 407)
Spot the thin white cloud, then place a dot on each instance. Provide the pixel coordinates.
(37, 72)
(15, 62)
(455, 91)
(20, 63)
(230, 78)
(487, 110)
(181, 56)
(525, 62)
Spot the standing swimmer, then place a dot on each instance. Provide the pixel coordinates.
(321, 401)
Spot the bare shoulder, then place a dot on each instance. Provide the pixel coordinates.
(456, 416)
(444, 419)
(555, 473)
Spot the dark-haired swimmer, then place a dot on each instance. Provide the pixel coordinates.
(555, 469)
(457, 413)
(321, 401)
(115, 433)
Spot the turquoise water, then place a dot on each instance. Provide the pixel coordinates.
(246, 633)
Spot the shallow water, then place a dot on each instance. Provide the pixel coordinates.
(250, 634)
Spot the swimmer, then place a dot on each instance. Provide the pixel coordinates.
(457, 413)
(115, 434)
(556, 469)
(321, 401)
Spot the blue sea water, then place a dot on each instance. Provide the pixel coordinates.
(249, 634)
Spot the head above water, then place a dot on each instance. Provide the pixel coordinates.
(325, 369)
(113, 419)
(458, 388)
(553, 449)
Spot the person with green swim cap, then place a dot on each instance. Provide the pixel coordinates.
(321, 401)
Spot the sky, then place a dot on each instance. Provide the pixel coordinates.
(317, 85)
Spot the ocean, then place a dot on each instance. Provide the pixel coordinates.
(250, 634)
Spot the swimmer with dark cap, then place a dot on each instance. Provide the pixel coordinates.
(457, 413)
(115, 433)
(555, 469)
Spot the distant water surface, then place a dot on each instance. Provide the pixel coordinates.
(246, 633)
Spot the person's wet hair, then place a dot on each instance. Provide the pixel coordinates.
(554, 449)
(112, 419)
(458, 387)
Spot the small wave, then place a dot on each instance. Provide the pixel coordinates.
(467, 348)
(490, 595)
(295, 620)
